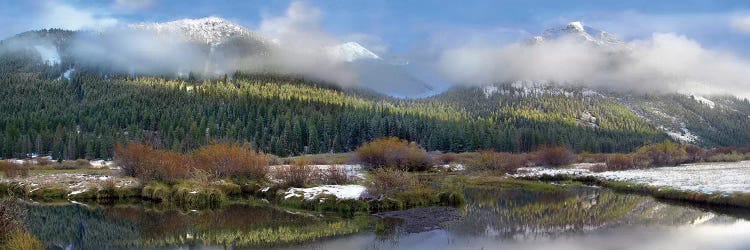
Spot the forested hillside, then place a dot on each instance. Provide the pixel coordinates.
(85, 114)
(53, 104)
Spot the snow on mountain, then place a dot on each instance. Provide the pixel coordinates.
(577, 30)
(703, 100)
(351, 51)
(209, 30)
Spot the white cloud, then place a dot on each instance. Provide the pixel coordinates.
(58, 15)
(302, 45)
(664, 62)
(133, 4)
(741, 24)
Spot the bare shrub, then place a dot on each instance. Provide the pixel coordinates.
(394, 153)
(335, 175)
(586, 157)
(599, 167)
(694, 153)
(13, 169)
(495, 161)
(298, 174)
(554, 156)
(389, 181)
(445, 158)
(660, 154)
(132, 157)
(230, 161)
(620, 162)
(43, 161)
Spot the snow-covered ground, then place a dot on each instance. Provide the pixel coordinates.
(704, 177)
(343, 192)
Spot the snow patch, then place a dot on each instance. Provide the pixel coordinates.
(704, 100)
(705, 178)
(451, 167)
(344, 192)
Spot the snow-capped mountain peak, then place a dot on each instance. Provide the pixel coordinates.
(351, 51)
(209, 30)
(577, 30)
(577, 25)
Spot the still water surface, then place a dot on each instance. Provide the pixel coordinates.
(493, 218)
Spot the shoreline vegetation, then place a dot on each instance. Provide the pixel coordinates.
(382, 175)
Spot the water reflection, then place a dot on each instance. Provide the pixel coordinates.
(573, 218)
(135, 226)
(507, 218)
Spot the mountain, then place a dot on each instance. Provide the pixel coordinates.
(374, 73)
(686, 117)
(576, 30)
(351, 51)
(209, 30)
(74, 110)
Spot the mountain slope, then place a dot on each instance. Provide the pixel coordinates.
(209, 30)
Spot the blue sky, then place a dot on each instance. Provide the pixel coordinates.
(411, 26)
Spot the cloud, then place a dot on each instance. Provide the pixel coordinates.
(741, 24)
(302, 45)
(58, 15)
(133, 4)
(663, 62)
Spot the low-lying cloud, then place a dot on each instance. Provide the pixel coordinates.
(664, 62)
(291, 43)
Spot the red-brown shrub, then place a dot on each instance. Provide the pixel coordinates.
(230, 161)
(145, 163)
(394, 153)
(495, 161)
(218, 161)
(620, 162)
(554, 156)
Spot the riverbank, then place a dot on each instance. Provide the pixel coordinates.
(702, 183)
